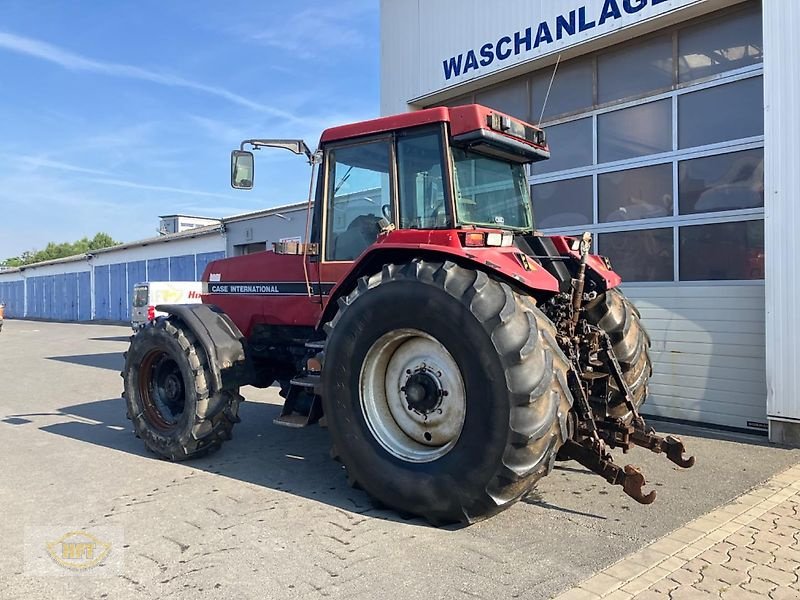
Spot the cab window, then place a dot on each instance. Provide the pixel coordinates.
(422, 193)
(359, 195)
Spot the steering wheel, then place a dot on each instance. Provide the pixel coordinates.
(387, 212)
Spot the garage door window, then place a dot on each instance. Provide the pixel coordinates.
(731, 181)
(721, 113)
(733, 250)
(633, 194)
(724, 44)
(563, 203)
(640, 255)
(574, 142)
(636, 131)
(635, 69)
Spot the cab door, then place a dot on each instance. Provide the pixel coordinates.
(358, 191)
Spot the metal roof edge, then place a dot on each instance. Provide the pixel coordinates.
(265, 212)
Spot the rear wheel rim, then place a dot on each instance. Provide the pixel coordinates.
(412, 396)
(162, 390)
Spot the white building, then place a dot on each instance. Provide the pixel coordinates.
(179, 223)
(673, 127)
(257, 231)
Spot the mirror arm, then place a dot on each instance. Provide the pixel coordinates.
(258, 144)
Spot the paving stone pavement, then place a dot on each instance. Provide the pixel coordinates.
(748, 549)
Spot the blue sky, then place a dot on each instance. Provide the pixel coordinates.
(113, 113)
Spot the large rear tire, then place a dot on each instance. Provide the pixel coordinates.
(618, 317)
(168, 394)
(444, 390)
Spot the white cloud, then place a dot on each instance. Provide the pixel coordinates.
(76, 62)
(154, 188)
(36, 162)
(312, 33)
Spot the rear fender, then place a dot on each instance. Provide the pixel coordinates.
(222, 342)
(504, 263)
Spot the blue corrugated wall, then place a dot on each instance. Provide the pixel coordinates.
(101, 293)
(84, 296)
(203, 260)
(72, 298)
(118, 292)
(158, 269)
(12, 294)
(181, 268)
(104, 293)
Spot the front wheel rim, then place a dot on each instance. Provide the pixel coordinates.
(412, 396)
(162, 390)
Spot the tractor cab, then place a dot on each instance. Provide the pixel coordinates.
(434, 169)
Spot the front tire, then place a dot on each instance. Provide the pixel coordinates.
(617, 316)
(445, 392)
(168, 395)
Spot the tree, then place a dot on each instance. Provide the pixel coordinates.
(55, 250)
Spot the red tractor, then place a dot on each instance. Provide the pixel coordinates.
(453, 352)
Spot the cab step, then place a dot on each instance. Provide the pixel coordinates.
(302, 406)
(311, 380)
(294, 420)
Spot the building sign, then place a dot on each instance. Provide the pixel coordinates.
(456, 42)
(545, 33)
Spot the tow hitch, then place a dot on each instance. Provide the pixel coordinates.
(619, 433)
(594, 437)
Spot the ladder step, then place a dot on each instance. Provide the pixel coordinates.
(306, 381)
(293, 420)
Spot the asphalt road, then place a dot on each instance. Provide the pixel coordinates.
(271, 515)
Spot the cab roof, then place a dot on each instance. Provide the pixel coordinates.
(462, 119)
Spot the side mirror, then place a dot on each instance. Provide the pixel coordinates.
(242, 165)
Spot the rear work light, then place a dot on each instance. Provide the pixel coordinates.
(508, 125)
(499, 239)
(474, 239)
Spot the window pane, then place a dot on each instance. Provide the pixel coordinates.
(491, 191)
(422, 196)
(571, 91)
(635, 70)
(722, 251)
(645, 255)
(720, 45)
(635, 131)
(725, 112)
(359, 189)
(563, 203)
(510, 97)
(643, 193)
(723, 182)
(570, 147)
